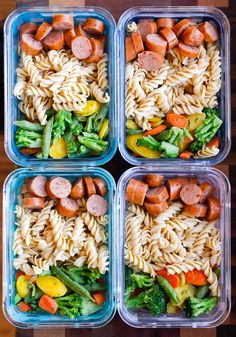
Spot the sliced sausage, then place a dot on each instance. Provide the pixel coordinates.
(81, 47)
(198, 210)
(209, 31)
(190, 194)
(37, 186)
(153, 180)
(67, 207)
(157, 194)
(138, 42)
(165, 23)
(30, 202)
(44, 29)
(78, 189)
(100, 185)
(192, 36)
(62, 21)
(174, 186)
(140, 192)
(155, 209)
(129, 49)
(156, 43)
(102, 39)
(189, 51)
(30, 45)
(147, 27)
(213, 209)
(169, 36)
(94, 26)
(79, 31)
(58, 187)
(24, 189)
(150, 60)
(207, 191)
(97, 205)
(69, 35)
(97, 51)
(89, 186)
(54, 40)
(182, 25)
(28, 28)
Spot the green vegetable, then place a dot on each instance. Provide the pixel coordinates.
(150, 142)
(134, 132)
(76, 287)
(89, 124)
(72, 146)
(47, 136)
(128, 273)
(90, 135)
(95, 287)
(74, 276)
(25, 138)
(26, 125)
(17, 298)
(195, 306)
(69, 305)
(216, 270)
(169, 290)
(93, 144)
(202, 291)
(164, 135)
(142, 280)
(100, 116)
(90, 274)
(88, 308)
(170, 151)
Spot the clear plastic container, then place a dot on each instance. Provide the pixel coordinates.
(11, 192)
(140, 318)
(199, 13)
(11, 40)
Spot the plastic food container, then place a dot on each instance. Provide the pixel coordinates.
(11, 191)
(198, 13)
(11, 40)
(140, 318)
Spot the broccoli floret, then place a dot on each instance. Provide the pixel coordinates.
(25, 138)
(155, 300)
(195, 307)
(150, 142)
(142, 280)
(135, 302)
(89, 274)
(169, 150)
(69, 305)
(88, 307)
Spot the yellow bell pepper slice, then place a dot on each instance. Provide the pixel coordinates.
(59, 149)
(131, 125)
(104, 129)
(22, 286)
(91, 108)
(156, 121)
(131, 142)
(51, 286)
(195, 120)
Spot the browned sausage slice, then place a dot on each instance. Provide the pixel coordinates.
(153, 180)
(155, 209)
(30, 45)
(62, 21)
(150, 60)
(78, 189)
(165, 23)
(97, 51)
(198, 210)
(182, 25)
(102, 39)
(140, 192)
(209, 31)
(190, 194)
(100, 185)
(69, 35)
(147, 27)
(24, 189)
(157, 195)
(192, 36)
(79, 31)
(189, 51)
(207, 191)
(44, 29)
(54, 40)
(37, 186)
(169, 36)
(94, 26)
(67, 207)
(81, 47)
(89, 186)
(213, 209)
(174, 186)
(138, 42)
(58, 187)
(30, 202)
(129, 49)
(156, 43)
(28, 28)
(130, 190)
(97, 205)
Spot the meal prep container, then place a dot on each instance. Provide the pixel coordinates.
(141, 318)
(11, 40)
(198, 13)
(11, 191)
